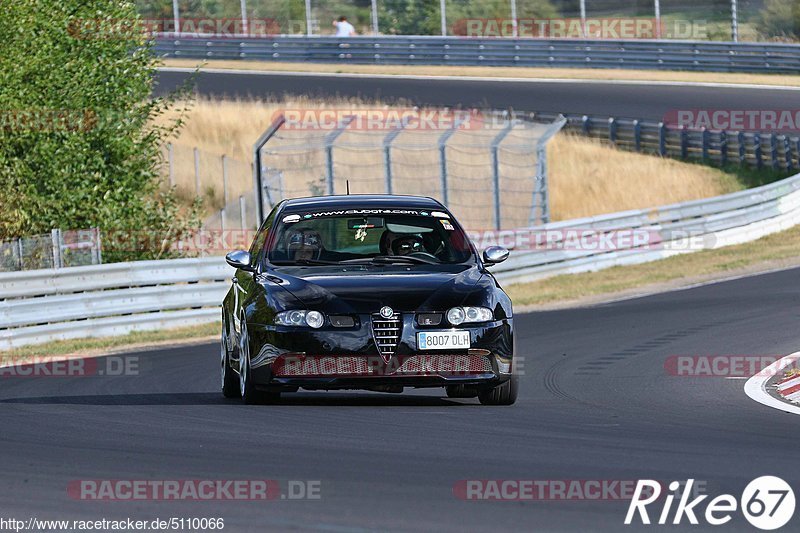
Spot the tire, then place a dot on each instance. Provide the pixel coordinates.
(460, 391)
(503, 394)
(228, 378)
(247, 389)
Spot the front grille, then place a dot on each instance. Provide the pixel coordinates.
(387, 333)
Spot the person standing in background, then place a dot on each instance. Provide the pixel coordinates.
(344, 28)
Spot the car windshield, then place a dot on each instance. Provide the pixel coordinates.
(392, 236)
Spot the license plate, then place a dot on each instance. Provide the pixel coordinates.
(443, 340)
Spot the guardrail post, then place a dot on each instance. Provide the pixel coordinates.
(797, 149)
(330, 139)
(684, 142)
(741, 141)
(443, 138)
(637, 135)
(705, 136)
(586, 125)
(612, 130)
(723, 148)
(662, 139)
(510, 121)
(757, 150)
(773, 149)
(222, 220)
(787, 153)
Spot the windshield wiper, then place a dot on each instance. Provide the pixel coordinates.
(402, 258)
(305, 262)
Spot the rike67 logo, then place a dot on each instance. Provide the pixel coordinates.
(767, 503)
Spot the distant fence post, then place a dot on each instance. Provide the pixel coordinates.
(662, 139)
(330, 139)
(541, 196)
(637, 135)
(387, 152)
(258, 185)
(242, 213)
(55, 236)
(705, 134)
(510, 121)
(224, 179)
(196, 172)
(171, 164)
(443, 138)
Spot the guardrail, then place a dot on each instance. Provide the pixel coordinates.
(45, 305)
(424, 50)
(759, 149)
(114, 299)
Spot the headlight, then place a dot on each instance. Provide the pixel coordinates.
(460, 315)
(313, 319)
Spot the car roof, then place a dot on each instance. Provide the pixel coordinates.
(362, 201)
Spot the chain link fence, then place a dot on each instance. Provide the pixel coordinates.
(57, 249)
(720, 20)
(490, 171)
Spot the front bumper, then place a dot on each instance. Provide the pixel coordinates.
(337, 358)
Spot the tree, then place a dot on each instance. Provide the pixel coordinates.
(78, 147)
(780, 18)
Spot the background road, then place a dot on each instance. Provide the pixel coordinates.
(641, 100)
(595, 403)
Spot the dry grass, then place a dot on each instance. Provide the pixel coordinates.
(587, 177)
(498, 72)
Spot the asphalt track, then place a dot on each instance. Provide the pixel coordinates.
(595, 403)
(633, 100)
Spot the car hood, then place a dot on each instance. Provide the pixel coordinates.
(367, 289)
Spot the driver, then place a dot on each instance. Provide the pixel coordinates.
(407, 244)
(304, 245)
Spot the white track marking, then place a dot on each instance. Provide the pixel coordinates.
(481, 78)
(755, 387)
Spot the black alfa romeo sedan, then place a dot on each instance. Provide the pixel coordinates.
(370, 292)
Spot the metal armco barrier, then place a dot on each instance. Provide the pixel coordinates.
(759, 149)
(423, 50)
(102, 300)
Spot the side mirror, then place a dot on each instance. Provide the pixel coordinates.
(239, 259)
(494, 254)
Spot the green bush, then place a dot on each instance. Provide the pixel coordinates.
(780, 18)
(78, 148)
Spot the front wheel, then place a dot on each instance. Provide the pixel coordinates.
(228, 378)
(247, 389)
(503, 394)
